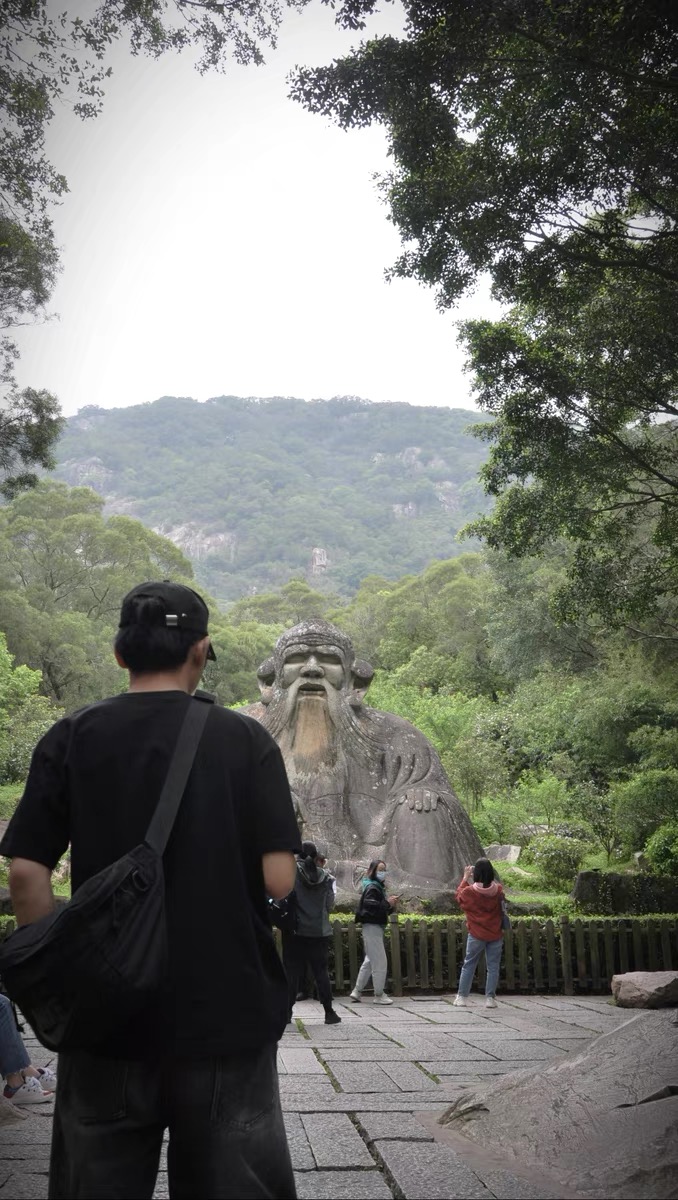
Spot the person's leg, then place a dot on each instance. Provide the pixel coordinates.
(365, 971)
(317, 955)
(373, 936)
(474, 949)
(227, 1136)
(108, 1129)
(493, 955)
(292, 965)
(13, 1054)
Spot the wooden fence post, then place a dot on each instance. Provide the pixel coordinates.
(551, 962)
(437, 956)
(566, 955)
(338, 943)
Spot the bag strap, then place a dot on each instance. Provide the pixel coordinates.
(162, 821)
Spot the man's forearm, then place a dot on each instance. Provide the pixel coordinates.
(30, 888)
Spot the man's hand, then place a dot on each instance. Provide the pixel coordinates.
(30, 887)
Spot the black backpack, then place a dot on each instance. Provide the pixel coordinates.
(373, 906)
(82, 972)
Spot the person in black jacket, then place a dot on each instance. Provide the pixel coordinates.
(314, 890)
(373, 913)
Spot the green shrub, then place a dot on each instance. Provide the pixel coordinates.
(661, 850)
(558, 858)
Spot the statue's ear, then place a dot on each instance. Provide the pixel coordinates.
(266, 679)
(361, 676)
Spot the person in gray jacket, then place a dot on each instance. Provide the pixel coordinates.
(314, 892)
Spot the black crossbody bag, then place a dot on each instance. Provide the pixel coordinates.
(82, 972)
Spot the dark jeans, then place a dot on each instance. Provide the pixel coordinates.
(299, 952)
(226, 1131)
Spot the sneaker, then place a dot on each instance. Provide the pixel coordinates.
(383, 999)
(356, 996)
(332, 1018)
(30, 1092)
(47, 1079)
(490, 1002)
(460, 1002)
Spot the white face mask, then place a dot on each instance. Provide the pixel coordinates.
(381, 875)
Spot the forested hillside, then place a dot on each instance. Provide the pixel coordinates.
(248, 488)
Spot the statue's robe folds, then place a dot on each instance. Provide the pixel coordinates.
(382, 793)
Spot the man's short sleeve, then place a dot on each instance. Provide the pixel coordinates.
(39, 829)
(275, 822)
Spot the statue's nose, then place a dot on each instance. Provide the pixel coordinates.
(312, 668)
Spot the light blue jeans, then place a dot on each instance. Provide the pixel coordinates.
(13, 1056)
(474, 949)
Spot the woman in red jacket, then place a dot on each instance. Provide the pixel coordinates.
(482, 905)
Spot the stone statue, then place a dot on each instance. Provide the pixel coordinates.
(366, 784)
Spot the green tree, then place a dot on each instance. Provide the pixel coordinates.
(24, 715)
(64, 569)
(536, 142)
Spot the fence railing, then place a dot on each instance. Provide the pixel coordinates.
(564, 956)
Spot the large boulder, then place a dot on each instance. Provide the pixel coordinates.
(645, 989)
(603, 1122)
(498, 853)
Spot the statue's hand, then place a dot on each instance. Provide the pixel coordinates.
(420, 799)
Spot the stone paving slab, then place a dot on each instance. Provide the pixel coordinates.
(471, 1070)
(363, 1077)
(300, 1062)
(408, 1077)
(343, 1185)
(396, 1126)
(300, 1147)
(524, 1048)
(335, 1141)
(430, 1171)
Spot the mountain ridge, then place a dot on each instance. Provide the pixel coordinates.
(256, 490)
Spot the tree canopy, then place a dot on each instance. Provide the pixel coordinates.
(538, 143)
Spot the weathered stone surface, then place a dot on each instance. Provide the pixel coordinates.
(502, 853)
(605, 1120)
(367, 783)
(300, 1062)
(408, 1077)
(26, 1186)
(335, 1141)
(342, 1185)
(608, 892)
(363, 1077)
(430, 1170)
(300, 1147)
(396, 1126)
(645, 989)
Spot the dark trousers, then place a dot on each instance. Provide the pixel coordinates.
(300, 952)
(226, 1132)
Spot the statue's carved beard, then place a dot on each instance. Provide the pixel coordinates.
(313, 729)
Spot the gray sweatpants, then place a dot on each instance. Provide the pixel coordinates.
(374, 963)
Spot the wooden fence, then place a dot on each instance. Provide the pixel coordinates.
(564, 956)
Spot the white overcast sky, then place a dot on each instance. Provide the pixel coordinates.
(218, 239)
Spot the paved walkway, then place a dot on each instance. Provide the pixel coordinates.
(356, 1096)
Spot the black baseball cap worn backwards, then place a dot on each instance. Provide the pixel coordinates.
(184, 608)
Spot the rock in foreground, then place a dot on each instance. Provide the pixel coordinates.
(645, 989)
(603, 1122)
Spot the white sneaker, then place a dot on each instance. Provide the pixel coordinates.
(383, 999)
(460, 1002)
(490, 1002)
(47, 1079)
(30, 1092)
(355, 996)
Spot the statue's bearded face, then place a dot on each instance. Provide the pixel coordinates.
(313, 669)
(306, 710)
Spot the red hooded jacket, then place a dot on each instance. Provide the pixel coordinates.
(482, 909)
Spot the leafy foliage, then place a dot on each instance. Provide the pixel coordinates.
(558, 858)
(537, 142)
(661, 849)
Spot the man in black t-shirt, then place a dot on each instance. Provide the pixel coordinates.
(201, 1063)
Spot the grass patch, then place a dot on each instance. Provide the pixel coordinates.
(10, 795)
